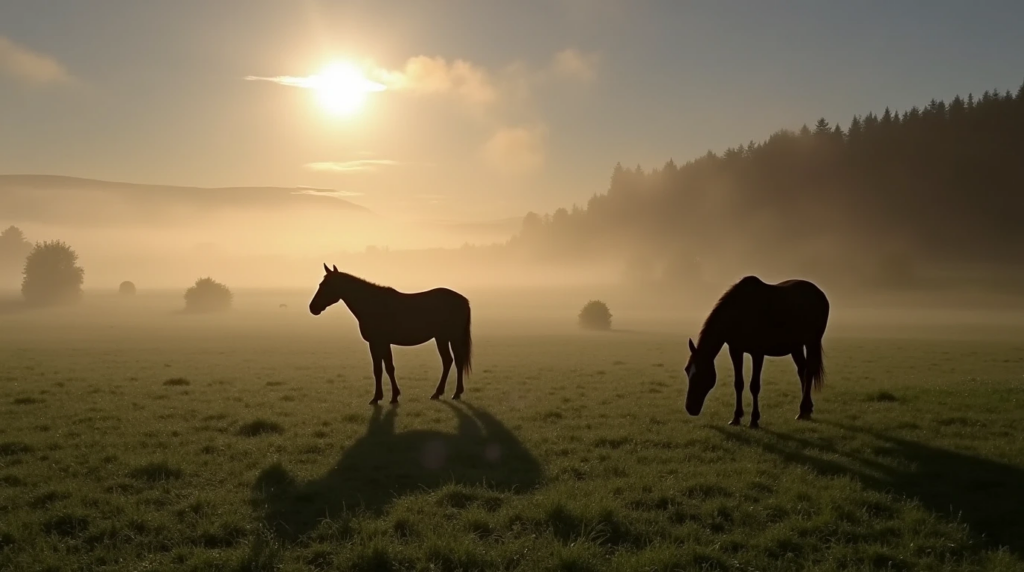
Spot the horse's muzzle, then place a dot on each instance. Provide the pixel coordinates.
(315, 311)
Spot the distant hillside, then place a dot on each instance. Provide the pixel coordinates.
(49, 199)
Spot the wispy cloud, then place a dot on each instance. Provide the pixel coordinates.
(436, 75)
(330, 193)
(517, 150)
(359, 165)
(575, 64)
(23, 64)
(289, 80)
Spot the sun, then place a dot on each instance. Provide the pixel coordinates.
(342, 88)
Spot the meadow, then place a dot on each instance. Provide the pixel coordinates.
(133, 437)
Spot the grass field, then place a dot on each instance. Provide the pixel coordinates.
(139, 439)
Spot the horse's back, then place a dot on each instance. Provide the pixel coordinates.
(806, 302)
(795, 308)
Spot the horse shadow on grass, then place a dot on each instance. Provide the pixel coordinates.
(985, 495)
(383, 465)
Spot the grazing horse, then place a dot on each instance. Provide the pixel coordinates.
(762, 320)
(388, 317)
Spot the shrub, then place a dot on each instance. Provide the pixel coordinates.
(207, 295)
(14, 248)
(52, 275)
(126, 288)
(595, 316)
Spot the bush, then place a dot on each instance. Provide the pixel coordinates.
(207, 295)
(52, 275)
(14, 248)
(126, 288)
(596, 316)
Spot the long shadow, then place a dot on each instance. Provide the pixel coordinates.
(383, 465)
(986, 495)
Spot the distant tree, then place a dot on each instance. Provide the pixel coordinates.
(14, 248)
(207, 295)
(51, 275)
(126, 288)
(595, 316)
(822, 128)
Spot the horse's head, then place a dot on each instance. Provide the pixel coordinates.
(700, 372)
(328, 293)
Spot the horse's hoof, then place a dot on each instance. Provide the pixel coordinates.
(457, 397)
(394, 401)
(735, 422)
(435, 397)
(803, 417)
(754, 424)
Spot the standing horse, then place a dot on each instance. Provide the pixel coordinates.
(761, 320)
(388, 317)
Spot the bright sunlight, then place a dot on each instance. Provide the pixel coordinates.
(342, 88)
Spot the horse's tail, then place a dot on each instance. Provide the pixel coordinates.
(816, 364)
(464, 347)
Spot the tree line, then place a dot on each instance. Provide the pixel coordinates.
(892, 198)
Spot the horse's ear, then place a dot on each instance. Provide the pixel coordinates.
(693, 349)
(326, 269)
(335, 268)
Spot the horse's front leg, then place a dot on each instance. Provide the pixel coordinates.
(737, 366)
(389, 368)
(377, 355)
(755, 388)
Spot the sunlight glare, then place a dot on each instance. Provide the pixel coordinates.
(342, 88)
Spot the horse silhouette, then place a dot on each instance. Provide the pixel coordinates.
(388, 317)
(383, 465)
(762, 320)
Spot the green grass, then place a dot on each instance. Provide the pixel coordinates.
(244, 442)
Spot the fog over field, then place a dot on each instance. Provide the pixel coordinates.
(571, 285)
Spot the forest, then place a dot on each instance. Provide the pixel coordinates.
(926, 197)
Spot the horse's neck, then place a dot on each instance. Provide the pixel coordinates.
(357, 297)
(712, 335)
(709, 346)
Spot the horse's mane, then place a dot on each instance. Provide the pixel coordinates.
(716, 312)
(365, 283)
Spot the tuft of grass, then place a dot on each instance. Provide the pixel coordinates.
(156, 472)
(66, 525)
(259, 427)
(883, 397)
(14, 448)
(27, 401)
(177, 382)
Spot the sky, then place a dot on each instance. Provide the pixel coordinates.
(477, 110)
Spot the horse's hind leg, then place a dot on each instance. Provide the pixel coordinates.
(737, 366)
(806, 406)
(446, 366)
(755, 389)
(389, 367)
(460, 366)
(376, 354)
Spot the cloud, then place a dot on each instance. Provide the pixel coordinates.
(574, 64)
(289, 80)
(436, 75)
(23, 64)
(359, 165)
(517, 150)
(331, 193)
